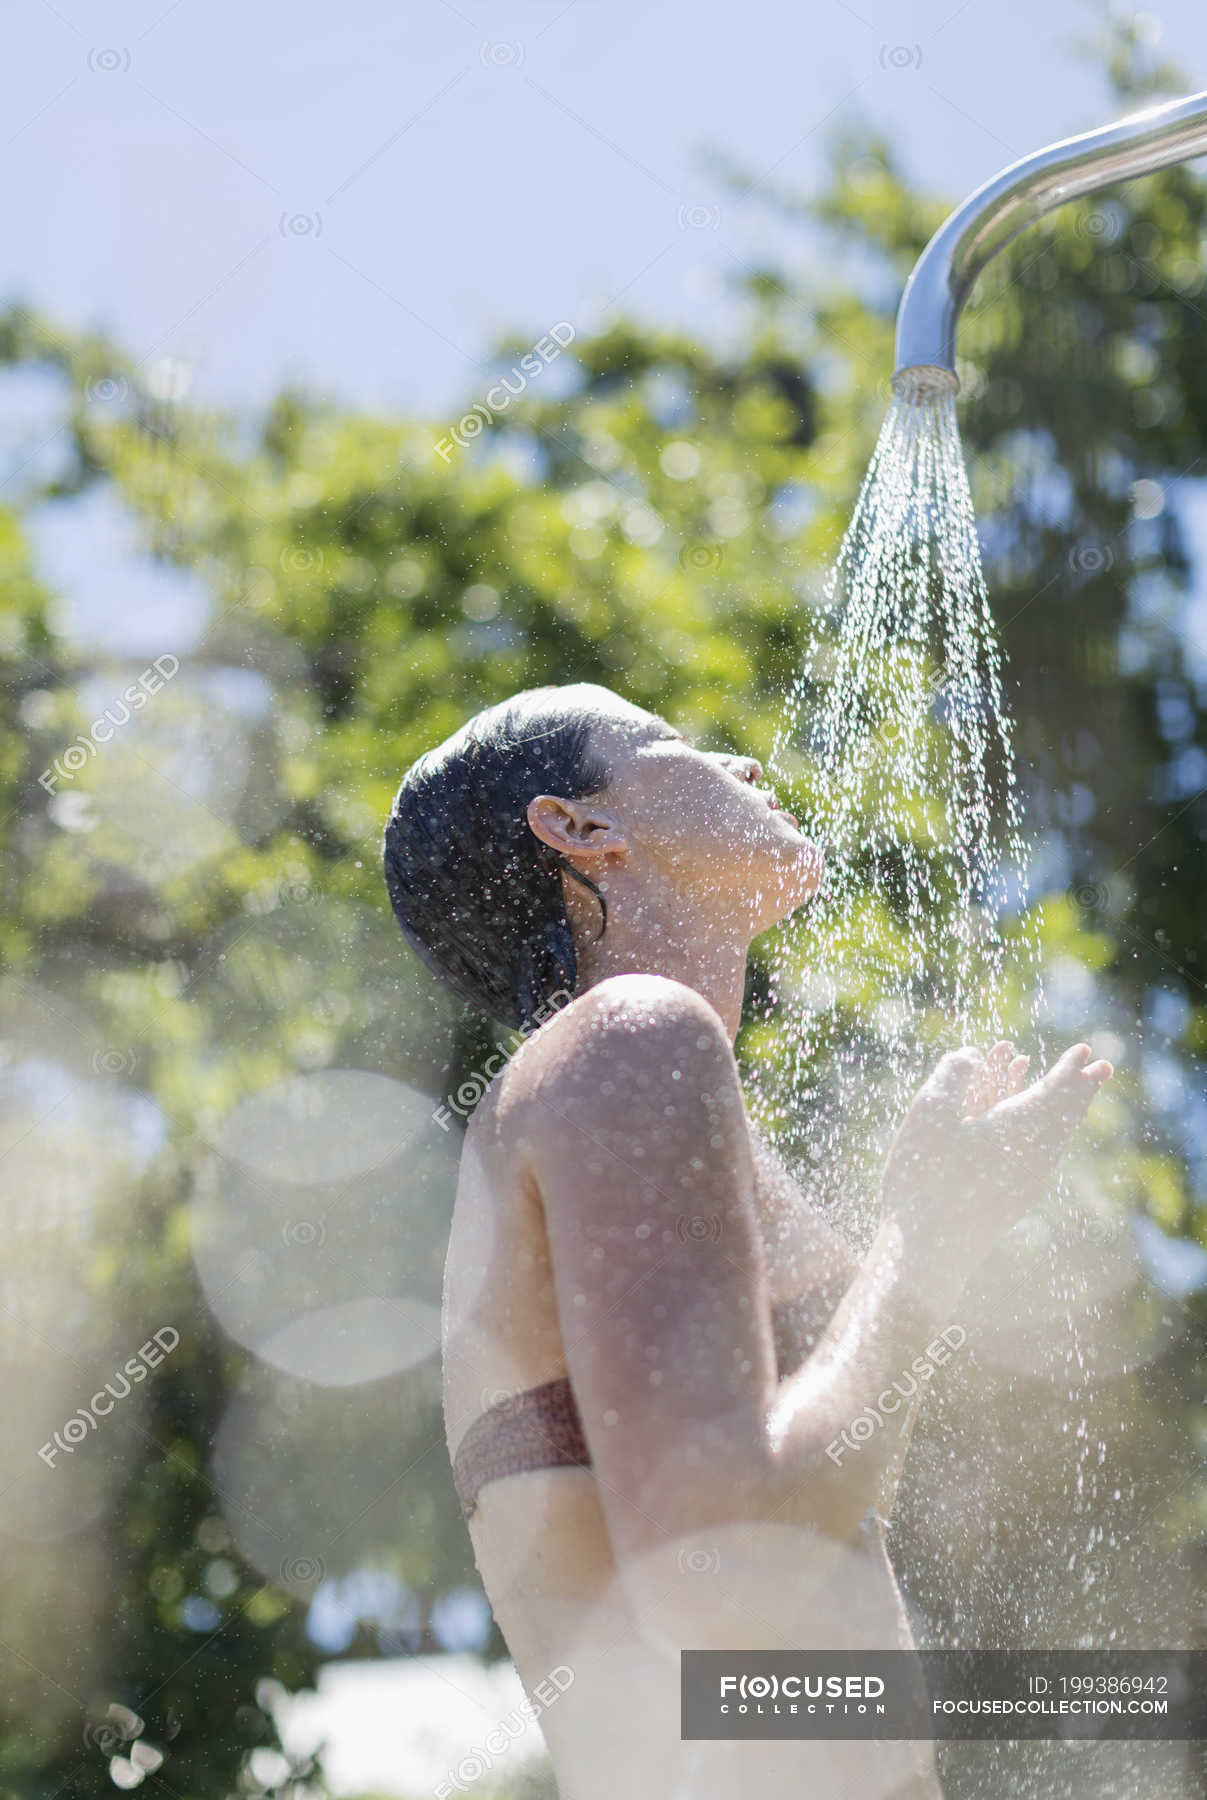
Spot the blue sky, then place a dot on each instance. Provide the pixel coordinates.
(362, 196)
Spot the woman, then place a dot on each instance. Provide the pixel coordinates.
(653, 1344)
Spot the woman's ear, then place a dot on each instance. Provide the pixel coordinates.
(575, 827)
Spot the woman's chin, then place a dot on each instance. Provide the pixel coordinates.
(788, 878)
(804, 849)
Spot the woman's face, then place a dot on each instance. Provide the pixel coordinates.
(700, 818)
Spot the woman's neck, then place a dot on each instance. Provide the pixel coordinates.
(703, 954)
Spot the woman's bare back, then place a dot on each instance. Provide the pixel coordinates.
(540, 1536)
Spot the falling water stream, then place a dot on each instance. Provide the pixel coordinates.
(917, 941)
(921, 939)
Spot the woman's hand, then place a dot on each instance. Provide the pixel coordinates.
(976, 1149)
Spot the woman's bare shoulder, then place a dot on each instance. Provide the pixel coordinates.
(626, 1016)
(632, 1021)
(631, 1030)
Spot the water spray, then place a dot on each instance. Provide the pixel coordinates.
(944, 274)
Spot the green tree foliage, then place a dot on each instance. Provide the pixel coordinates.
(196, 914)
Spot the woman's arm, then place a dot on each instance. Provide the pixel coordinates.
(636, 1139)
(810, 1267)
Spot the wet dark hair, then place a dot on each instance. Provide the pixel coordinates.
(478, 895)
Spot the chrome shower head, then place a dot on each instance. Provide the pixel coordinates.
(946, 270)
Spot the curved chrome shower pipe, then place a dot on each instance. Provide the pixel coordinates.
(946, 270)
